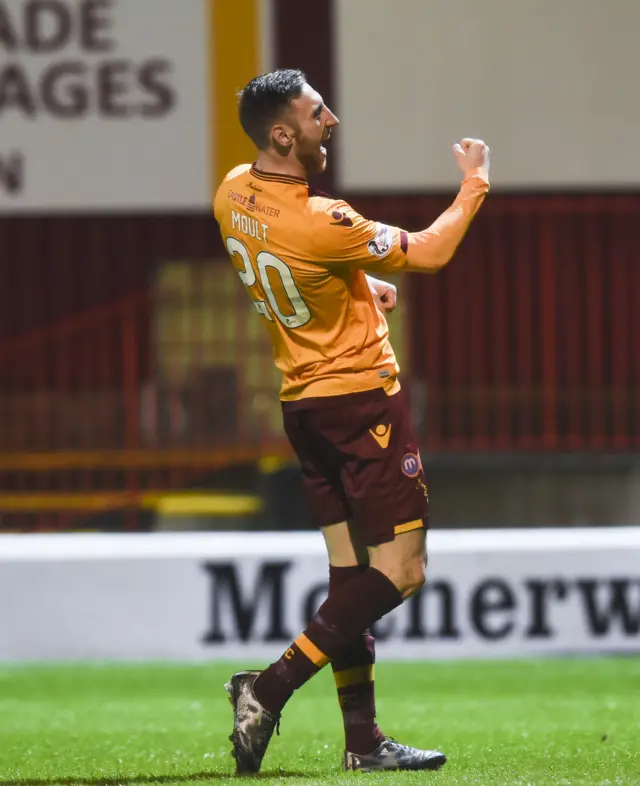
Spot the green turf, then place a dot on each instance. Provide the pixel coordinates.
(534, 722)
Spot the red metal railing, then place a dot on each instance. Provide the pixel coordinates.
(96, 417)
(530, 339)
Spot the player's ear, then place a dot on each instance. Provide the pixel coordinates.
(282, 139)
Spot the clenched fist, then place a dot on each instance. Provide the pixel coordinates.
(471, 154)
(384, 294)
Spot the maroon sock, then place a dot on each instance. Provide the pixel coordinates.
(353, 673)
(341, 619)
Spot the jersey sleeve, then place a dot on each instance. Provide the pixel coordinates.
(342, 236)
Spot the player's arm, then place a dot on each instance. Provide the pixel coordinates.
(340, 235)
(431, 249)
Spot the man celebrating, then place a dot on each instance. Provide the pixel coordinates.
(302, 257)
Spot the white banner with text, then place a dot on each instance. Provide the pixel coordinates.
(245, 596)
(104, 104)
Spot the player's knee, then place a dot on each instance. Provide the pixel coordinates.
(413, 576)
(403, 561)
(408, 576)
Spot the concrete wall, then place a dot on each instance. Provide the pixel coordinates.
(549, 84)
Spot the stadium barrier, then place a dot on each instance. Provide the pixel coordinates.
(133, 365)
(203, 596)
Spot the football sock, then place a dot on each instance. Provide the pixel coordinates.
(353, 673)
(341, 619)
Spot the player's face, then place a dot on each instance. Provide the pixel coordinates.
(313, 123)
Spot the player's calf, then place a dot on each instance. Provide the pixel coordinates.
(344, 615)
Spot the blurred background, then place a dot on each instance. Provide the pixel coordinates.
(137, 389)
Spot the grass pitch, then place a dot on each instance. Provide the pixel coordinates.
(531, 722)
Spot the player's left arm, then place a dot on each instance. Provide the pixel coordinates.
(341, 236)
(433, 247)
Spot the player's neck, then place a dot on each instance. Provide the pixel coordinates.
(274, 164)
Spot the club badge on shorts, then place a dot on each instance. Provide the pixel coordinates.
(411, 465)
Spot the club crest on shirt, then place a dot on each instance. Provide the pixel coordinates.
(382, 242)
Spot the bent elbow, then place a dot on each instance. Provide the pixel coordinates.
(438, 263)
(428, 263)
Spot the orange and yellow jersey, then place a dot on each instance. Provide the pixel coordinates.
(301, 255)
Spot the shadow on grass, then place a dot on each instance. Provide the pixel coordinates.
(116, 781)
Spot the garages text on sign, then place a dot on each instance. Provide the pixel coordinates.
(81, 73)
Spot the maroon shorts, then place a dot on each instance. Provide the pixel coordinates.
(360, 462)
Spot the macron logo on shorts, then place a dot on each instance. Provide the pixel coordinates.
(382, 435)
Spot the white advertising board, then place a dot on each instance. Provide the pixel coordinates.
(104, 104)
(549, 85)
(245, 596)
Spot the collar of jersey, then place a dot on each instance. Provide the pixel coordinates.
(274, 178)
